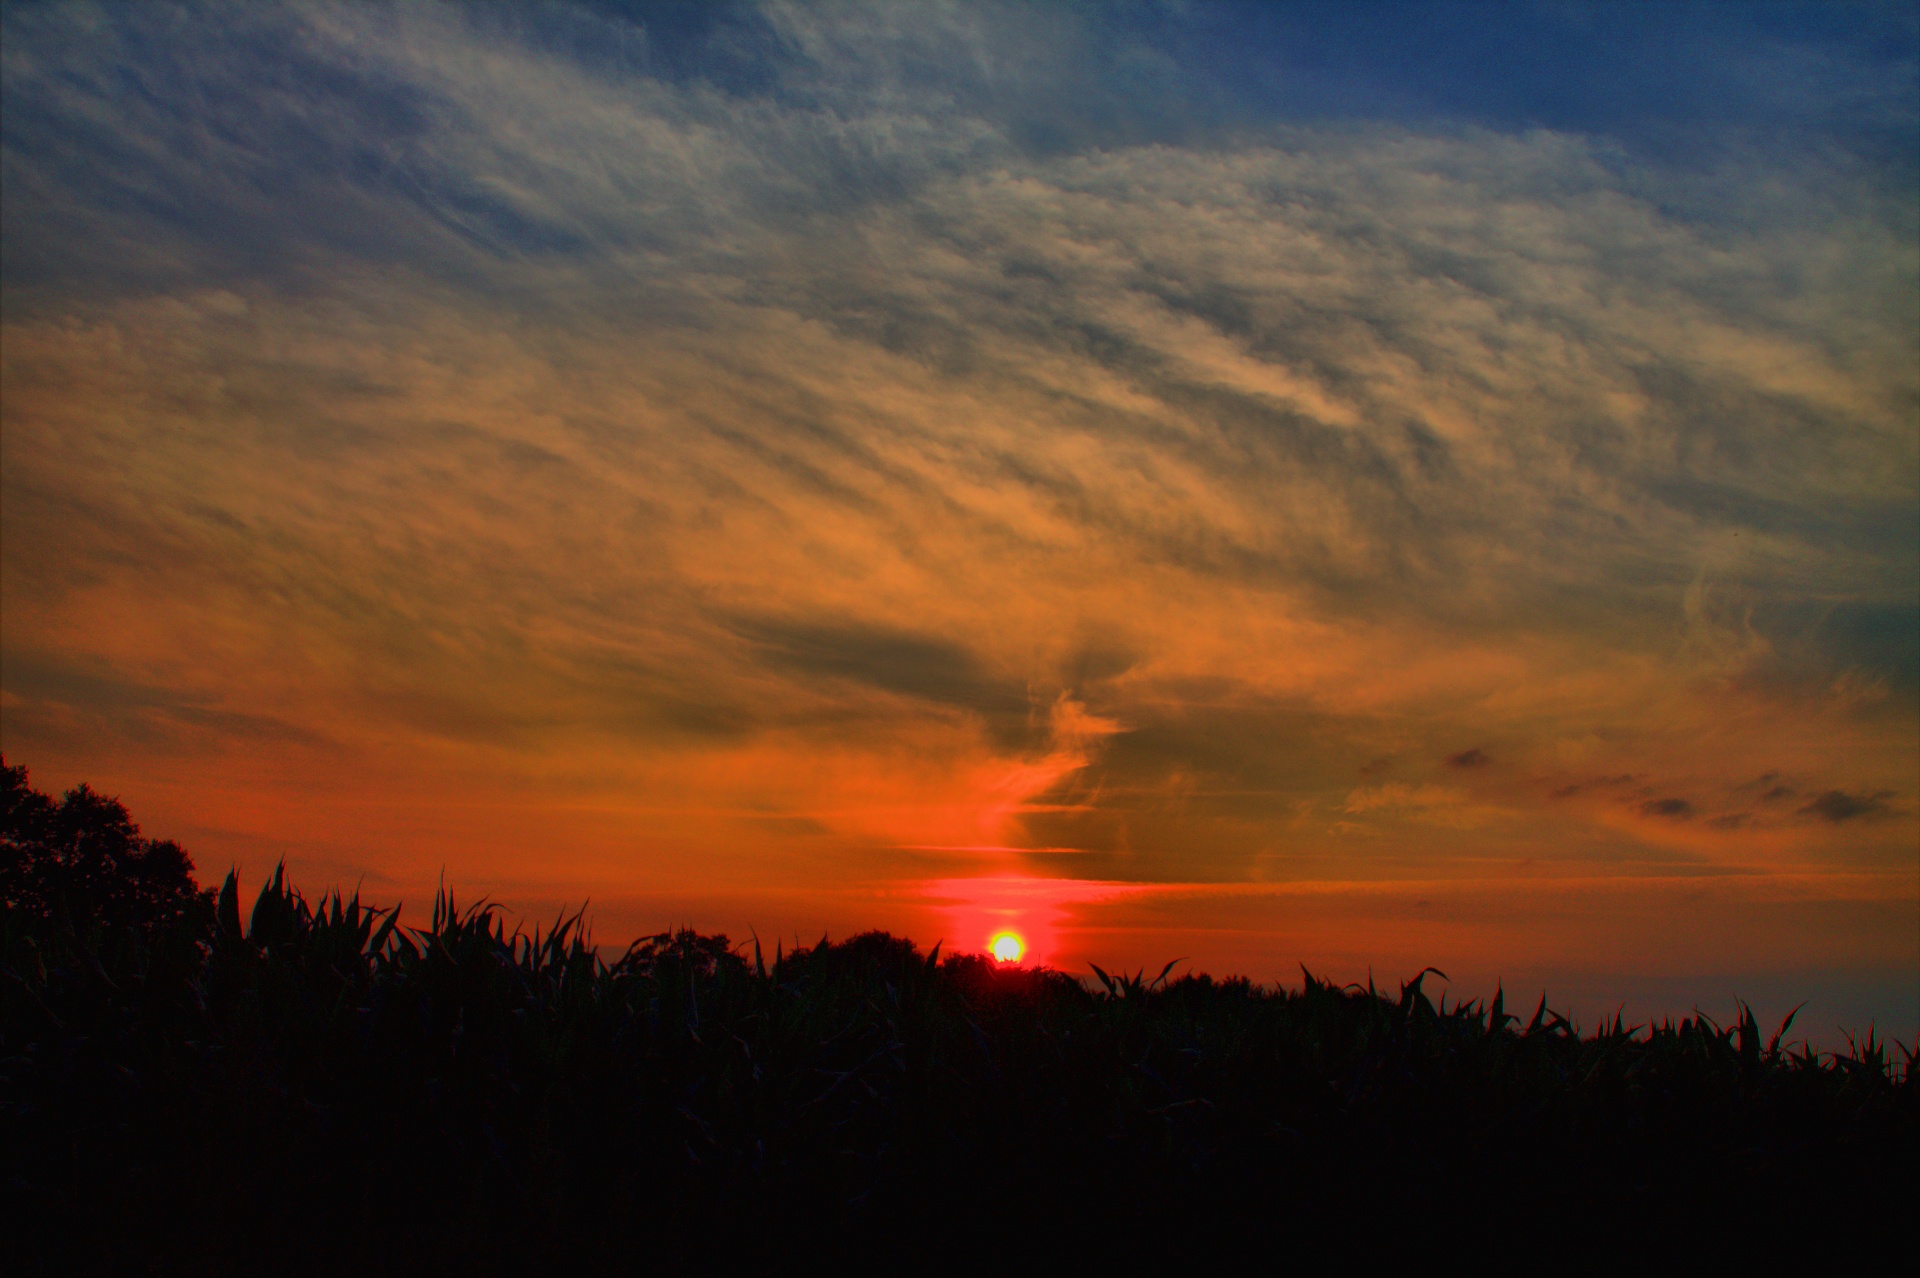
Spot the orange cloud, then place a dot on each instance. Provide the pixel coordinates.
(708, 503)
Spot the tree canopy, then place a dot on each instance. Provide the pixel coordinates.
(84, 856)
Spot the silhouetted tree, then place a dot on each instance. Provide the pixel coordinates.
(85, 856)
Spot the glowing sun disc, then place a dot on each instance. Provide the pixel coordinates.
(1007, 947)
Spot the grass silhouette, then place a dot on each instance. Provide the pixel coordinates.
(332, 1088)
(322, 1088)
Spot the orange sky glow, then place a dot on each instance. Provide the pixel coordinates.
(1362, 545)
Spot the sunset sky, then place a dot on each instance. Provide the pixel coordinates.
(1361, 485)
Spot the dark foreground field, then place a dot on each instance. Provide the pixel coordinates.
(325, 1089)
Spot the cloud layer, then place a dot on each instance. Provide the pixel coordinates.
(765, 455)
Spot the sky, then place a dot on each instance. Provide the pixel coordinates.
(1360, 486)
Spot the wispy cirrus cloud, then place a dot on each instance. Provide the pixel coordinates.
(820, 429)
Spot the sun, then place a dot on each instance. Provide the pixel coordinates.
(1007, 947)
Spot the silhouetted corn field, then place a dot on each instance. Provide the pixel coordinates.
(326, 1089)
